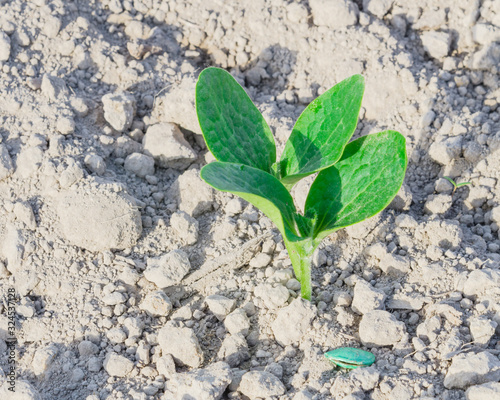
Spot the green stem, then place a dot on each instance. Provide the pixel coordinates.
(301, 254)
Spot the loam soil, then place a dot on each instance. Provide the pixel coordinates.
(124, 276)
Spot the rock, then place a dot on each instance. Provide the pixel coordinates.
(43, 358)
(394, 265)
(4, 46)
(137, 30)
(140, 164)
(293, 321)
(482, 330)
(486, 58)
(157, 304)
(119, 110)
(204, 384)
(445, 150)
(304, 394)
(166, 144)
(485, 33)
(165, 365)
(261, 384)
(86, 349)
(6, 166)
(490, 390)
(52, 26)
(195, 197)
(443, 186)
(65, 125)
(377, 7)
(220, 305)
(436, 44)
(405, 302)
(403, 199)
(23, 391)
(380, 328)
(334, 14)
(112, 299)
(272, 296)
(481, 281)
(237, 322)
(261, 260)
(468, 369)
(182, 344)
(24, 213)
(167, 270)
(234, 350)
(99, 220)
(367, 378)
(438, 204)
(95, 164)
(118, 365)
(54, 88)
(367, 298)
(185, 226)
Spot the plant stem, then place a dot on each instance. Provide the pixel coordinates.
(301, 254)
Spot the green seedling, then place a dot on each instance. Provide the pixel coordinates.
(455, 185)
(355, 180)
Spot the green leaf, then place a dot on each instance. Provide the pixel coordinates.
(232, 126)
(360, 185)
(462, 184)
(451, 181)
(261, 189)
(322, 131)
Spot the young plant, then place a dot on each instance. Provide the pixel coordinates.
(355, 180)
(455, 185)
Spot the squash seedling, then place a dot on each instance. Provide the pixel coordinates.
(455, 185)
(355, 180)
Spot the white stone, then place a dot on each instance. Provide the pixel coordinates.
(53, 87)
(140, 164)
(119, 110)
(485, 33)
(261, 260)
(445, 150)
(182, 344)
(486, 58)
(95, 163)
(166, 144)
(157, 304)
(436, 44)
(273, 296)
(234, 350)
(118, 365)
(481, 281)
(261, 384)
(24, 213)
(482, 330)
(52, 26)
(468, 369)
(86, 348)
(205, 384)
(403, 199)
(377, 7)
(6, 166)
(195, 197)
(220, 306)
(486, 391)
(99, 220)
(438, 204)
(237, 322)
(393, 264)
(65, 125)
(334, 14)
(43, 358)
(380, 328)
(137, 30)
(167, 270)
(293, 321)
(185, 226)
(367, 298)
(165, 365)
(112, 299)
(4, 46)
(116, 335)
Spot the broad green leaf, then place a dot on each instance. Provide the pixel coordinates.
(232, 126)
(322, 131)
(360, 185)
(261, 189)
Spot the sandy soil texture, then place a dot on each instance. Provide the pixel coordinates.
(124, 276)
